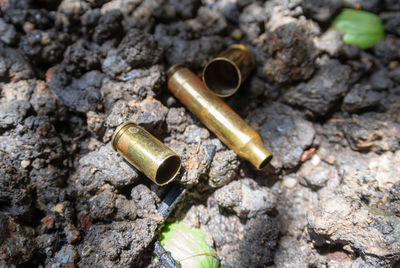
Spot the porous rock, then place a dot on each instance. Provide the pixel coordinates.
(284, 132)
(104, 166)
(362, 97)
(251, 243)
(136, 50)
(289, 43)
(44, 47)
(326, 87)
(8, 33)
(81, 94)
(322, 11)
(316, 175)
(246, 198)
(372, 131)
(116, 243)
(13, 66)
(369, 231)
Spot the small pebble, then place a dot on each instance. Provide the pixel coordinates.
(237, 34)
(330, 159)
(59, 208)
(348, 248)
(315, 160)
(28, 27)
(25, 163)
(393, 65)
(170, 101)
(289, 182)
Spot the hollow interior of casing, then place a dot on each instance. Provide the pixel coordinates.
(222, 77)
(265, 162)
(168, 170)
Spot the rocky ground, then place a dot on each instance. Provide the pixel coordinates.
(71, 71)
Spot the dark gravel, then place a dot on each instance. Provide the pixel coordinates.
(71, 71)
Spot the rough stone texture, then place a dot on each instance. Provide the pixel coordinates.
(249, 243)
(104, 166)
(204, 158)
(136, 84)
(320, 94)
(8, 33)
(71, 71)
(183, 9)
(392, 5)
(223, 168)
(331, 42)
(95, 123)
(116, 244)
(36, 143)
(380, 80)
(315, 174)
(368, 5)
(251, 20)
(376, 234)
(394, 74)
(362, 97)
(284, 132)
(393, 25)
(66, 255)
(44, 47)
(149, 113)
(245, 198)
(108, 26)
(289, 42)
(136, 50)
(82, 94)
(81, 57)
(13, 66)
(387, 49)
(322, 11)
(196, 51)
(12, 113)
(17, 243)
(372, 131)
(198, 39)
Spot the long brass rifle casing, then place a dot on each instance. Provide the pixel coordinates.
(217, 116)
(224, 74)
(146, 153)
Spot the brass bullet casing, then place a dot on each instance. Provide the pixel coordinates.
(217, 116)
(224, 74)
(146, 153)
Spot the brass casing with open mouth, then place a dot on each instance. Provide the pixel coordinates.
(217, 116)
(224, 74)
(146, 153)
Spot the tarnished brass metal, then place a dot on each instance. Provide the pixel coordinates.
(224, 74)
(217, 116)
(146, 153)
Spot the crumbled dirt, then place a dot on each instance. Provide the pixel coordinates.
(71, 71)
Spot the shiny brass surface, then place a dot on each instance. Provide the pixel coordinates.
(146, 153)
(224, 74)
(217, 116)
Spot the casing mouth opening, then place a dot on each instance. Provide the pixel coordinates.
(222, 77)
(168, 170)
(265, 162)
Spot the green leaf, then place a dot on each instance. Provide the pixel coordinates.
(187, 245)
(360, 28)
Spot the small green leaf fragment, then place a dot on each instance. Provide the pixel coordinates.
(183, 242)
(360, 28)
